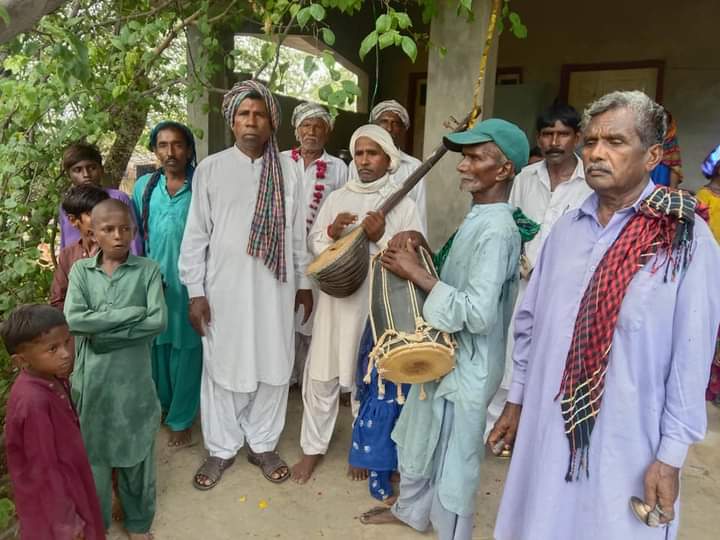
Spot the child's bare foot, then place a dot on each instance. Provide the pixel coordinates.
(357, 473)
(180, 439)
(303, 469)
(378, 516)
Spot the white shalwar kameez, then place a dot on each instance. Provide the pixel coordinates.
(248, 344)
(406, 166)
(315, 192)
(339, 322)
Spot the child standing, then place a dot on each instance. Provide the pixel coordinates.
(77, 205)
(49, 470)
(82, 162)
(710, 195)
(115, 307)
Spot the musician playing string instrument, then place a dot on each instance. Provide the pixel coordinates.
(440, 438)
(339, 322)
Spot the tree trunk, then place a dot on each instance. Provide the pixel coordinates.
(24, 15)
(128, 128)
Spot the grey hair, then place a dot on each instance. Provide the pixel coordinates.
(650, 119)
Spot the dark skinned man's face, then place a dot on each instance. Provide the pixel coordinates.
(252, 127)
(371, 161)
(557, 143)
(392, 123)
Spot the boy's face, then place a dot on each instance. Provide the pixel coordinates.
(82, 223)
(113, 231)
(49, 355)
(86, 171)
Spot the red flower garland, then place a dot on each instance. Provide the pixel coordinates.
(320, 165)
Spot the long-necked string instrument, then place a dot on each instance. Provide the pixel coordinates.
(342, 268)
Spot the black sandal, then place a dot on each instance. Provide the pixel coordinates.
(269, 463)
(212, 469)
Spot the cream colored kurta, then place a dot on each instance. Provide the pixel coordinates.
(339, 322)
(250, 338)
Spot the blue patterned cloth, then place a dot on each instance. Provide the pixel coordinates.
(372, 448)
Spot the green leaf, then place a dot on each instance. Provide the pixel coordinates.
(403, 20)
(350, 87)
(505, 9)
(10, 203)
(4, 15)
(328, 36)
(467, 4)
(324, 92)
(335, 75)
(309, 66)
(368, 44)
(409, 47)
(514, 18)
(383, 23)
(520, 31)
(317, 12)
(303, 16)
(500, 26)
(328, 59)
(337, 98)
(387, 39)
(442, 51)
(294, 8)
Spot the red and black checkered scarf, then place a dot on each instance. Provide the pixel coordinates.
(663, 225)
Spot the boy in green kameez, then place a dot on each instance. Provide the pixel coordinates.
(115, 307)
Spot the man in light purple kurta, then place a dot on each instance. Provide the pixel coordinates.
(653, 406)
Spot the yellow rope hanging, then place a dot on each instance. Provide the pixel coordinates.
(475, 115)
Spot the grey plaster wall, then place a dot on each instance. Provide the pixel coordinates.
(683, 34)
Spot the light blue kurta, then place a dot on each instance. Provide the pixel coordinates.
(653, 405)
(166, 225)
(474, 300)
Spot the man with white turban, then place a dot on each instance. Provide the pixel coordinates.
(320, 174)
(243, 257)
(394, 118)
(339, 322)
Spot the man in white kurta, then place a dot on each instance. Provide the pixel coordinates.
(544, 191)
(320, 174)
(248, 328)
(394, 118)
(339, 322)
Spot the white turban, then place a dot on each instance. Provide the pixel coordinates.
(311, 110)
(381, 137)
(390, 106)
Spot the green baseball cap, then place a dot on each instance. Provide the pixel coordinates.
(509, 138)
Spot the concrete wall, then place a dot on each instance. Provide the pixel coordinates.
(680, 33)
(450, 88)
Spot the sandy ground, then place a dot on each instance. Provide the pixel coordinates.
(245, 505)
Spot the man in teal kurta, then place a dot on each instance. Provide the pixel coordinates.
(114, 308)
(440, 438)
(162, 200)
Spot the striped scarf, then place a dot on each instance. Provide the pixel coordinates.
(663, 225)
(267, 233)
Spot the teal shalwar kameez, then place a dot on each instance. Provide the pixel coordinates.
(177, 353)
(114, 320)
(440, 438)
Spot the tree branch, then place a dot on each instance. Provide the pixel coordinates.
(281, 39)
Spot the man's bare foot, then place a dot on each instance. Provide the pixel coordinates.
(303, 469)
(379, 515)
(390, 500)
(356, 473)
(141, 536)
(180, 439)
(395, 477)
(116, 509)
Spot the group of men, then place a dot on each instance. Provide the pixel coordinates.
(613, 309)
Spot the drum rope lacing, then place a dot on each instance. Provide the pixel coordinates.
(422, 337)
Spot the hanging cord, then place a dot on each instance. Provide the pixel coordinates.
(476, 113)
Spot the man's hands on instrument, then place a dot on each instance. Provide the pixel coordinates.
(400, 240)
(505, 429)
(405, 263)
(374, 225)
(662, 486)
(304, 298)
(341, 222)
(199, 312)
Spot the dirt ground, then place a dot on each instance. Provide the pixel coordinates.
(244, 505)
